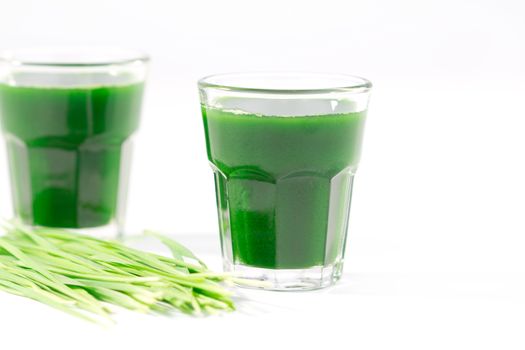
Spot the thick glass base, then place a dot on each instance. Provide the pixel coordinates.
(109, 231)
(287, 279)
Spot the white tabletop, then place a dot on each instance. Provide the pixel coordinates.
(365, 310)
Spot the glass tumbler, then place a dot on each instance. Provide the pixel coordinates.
(284, 148)
(68, 116)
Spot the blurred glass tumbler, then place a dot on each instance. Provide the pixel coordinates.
(284, 148)
(68, 116)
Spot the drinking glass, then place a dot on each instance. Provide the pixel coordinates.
(284, 148)
(68, 116)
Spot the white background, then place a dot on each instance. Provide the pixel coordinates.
(437, 237)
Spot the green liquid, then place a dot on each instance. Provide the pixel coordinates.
(65, 149)
(283, 185)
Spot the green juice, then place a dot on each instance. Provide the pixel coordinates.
(283, 185)
(67, 148)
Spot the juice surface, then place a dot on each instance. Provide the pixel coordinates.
(65, 149)
(283, 184)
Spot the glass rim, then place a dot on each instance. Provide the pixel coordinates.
(28, 56)
(359, 85)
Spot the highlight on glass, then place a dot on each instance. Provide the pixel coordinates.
(284, 148)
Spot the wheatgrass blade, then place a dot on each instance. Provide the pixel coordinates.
(83, 275)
